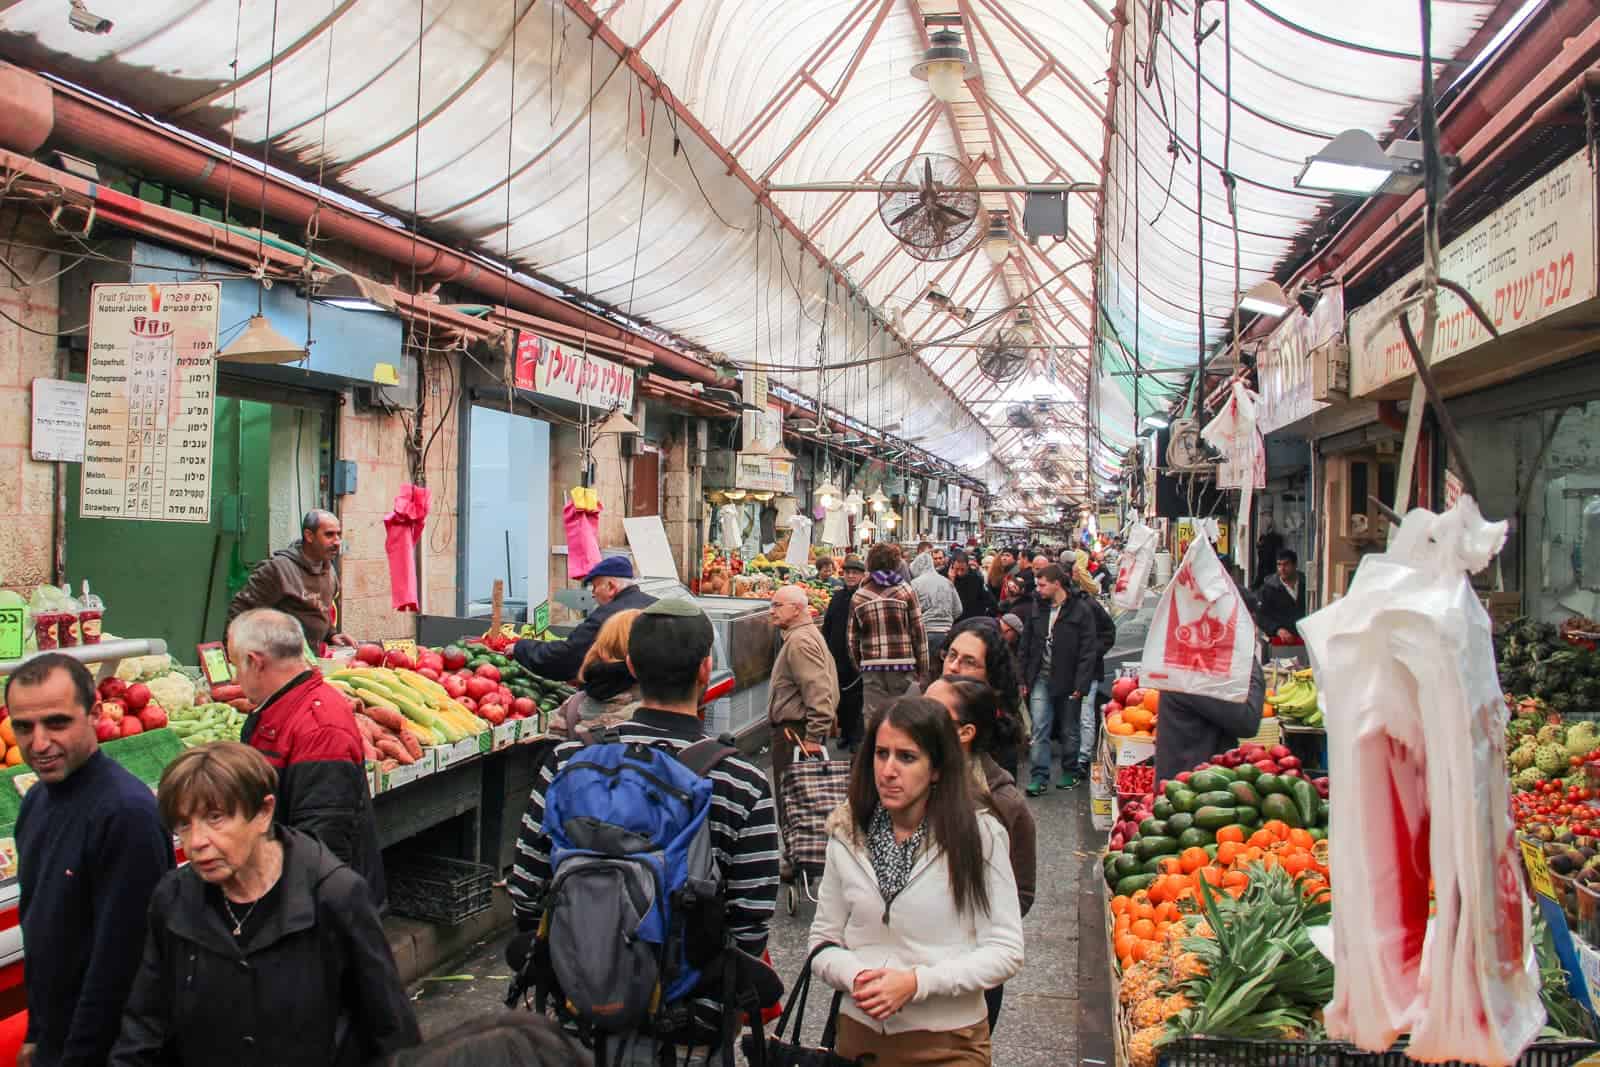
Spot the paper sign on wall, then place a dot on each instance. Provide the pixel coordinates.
(12, 632)
(58, 414)
(152, 384)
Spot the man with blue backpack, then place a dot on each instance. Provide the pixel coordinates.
(647, 870)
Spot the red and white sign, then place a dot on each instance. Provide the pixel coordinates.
(563, 371)
(1533, 257)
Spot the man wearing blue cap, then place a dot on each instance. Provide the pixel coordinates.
(611, 582)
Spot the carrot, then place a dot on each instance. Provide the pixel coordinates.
(386, 717)
(412, 746)
(369, 729)
(391, 747)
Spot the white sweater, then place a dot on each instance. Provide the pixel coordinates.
(955, 956)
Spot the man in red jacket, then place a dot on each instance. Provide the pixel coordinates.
(306, 730)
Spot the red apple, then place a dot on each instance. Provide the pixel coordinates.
(429, 673)
(370, 654)
(495, 713)
(137, 696)
(491, 697)
(153, 717)
(106, 730)
(112, 710)
(468, 703)
(433, 661)
(396, 658)
(478, 688)
(130, 725)
(1277, 752)
(1121, 688)
(112, 687)
(455, 685)
(522, 707)
(489, 671)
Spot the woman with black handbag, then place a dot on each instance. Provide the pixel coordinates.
(918, 912)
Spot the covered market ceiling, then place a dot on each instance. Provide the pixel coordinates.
(533, 131)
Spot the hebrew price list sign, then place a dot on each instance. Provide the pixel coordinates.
(152, 387)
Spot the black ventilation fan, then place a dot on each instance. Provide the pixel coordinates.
(1004, 359)
(1020, 416)
(937, 219)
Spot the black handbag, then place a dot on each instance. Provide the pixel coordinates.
(790, 1051)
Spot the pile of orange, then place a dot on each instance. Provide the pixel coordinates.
(13, 754)
(1136, 720)
(1140, 925)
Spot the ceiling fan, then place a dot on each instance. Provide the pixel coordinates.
(937, 218)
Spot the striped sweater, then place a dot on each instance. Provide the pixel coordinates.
(744, 837)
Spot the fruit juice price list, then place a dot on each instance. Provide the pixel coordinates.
(152, 388)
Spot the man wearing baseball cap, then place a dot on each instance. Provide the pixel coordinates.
(611, 582)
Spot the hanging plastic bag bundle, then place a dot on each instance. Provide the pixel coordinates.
(1202, 639)
(1133, 568)
(1416, 742)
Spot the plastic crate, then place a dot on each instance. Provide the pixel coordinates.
(1236, 1052)
(438, 888)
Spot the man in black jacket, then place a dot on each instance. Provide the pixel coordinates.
(835, 631)
(1283, 601)
(1059, 649)
(611, 581)
(1193, 728)
(90, 850)
(970, 587)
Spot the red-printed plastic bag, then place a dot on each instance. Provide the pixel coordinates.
(1202, 639)
(1133, 568)
(1405, 666)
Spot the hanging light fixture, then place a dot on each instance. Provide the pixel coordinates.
(1353, 163)
(260, 343)
(945, 66)
(865, 529)
(1266, 298)
(853, 503)
(780, 451)
(734, 494)
(997, 243)
(828, 493)
(891, 519)
(1022, 323)
(617, 422)
(878, 500)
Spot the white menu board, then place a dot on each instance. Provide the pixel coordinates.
(152, 385)
(58, 409)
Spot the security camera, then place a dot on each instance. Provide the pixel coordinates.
(82, 19)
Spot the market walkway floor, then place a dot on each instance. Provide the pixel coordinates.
(1057, 1012)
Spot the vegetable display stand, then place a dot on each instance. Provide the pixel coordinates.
(107, 654)
(439, 889)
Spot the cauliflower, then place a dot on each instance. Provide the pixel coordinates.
(173, 691)
(143, 668)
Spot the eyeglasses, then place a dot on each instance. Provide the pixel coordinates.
(963, 663)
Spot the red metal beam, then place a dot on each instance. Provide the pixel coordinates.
(927, 109)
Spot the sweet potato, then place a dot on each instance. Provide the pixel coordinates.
(391, 747)
(411, 744)
(388, 718)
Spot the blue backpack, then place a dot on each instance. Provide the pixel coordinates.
(634, 910)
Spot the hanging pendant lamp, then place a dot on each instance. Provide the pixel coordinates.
(260, 343)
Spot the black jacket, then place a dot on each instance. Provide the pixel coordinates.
(1279, 609)
(313, 984)
(1105, 633)
(1075, 647)
(835, 631)
(559, 660)
(974, 593)
(1194, 728)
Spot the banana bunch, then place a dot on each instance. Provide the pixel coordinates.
(1297, 701)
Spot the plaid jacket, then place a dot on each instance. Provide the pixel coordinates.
(885, 631)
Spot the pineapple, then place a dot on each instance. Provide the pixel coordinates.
(1150, 1012)
(1189, 965)
(1143, 1046)
(1137, 982)
(1176, 1003)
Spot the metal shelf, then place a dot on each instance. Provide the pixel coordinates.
(106, 653)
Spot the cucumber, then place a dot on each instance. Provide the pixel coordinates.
(1271, 783)
(1246, 772)
(1130, 885)
(1183, 799)
(1216, 798)
(1322, 812)
(1148, 847)
(1152, 828)
(1207, 781)
(1247, 816)
(1194, 837)
(1180, 821)
(1214, 817)
(1124, 864)
(1277, 806)
(1162, 808)
(1245, 793)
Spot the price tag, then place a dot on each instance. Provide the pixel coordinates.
(1130, 752)
(541, 618)
(214, 663)
(402, 644)
(13, 629)
(1538, 871)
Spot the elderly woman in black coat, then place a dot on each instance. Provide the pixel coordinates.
(265, 949)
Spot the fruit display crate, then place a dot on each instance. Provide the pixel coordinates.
(438, 888)
(1239, 1052)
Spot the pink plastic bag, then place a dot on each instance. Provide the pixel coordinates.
(1133, 568)
(1202, 639)
(1405, 666)
(402, 530)
(583, 539)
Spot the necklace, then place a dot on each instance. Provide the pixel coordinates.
(238, 923)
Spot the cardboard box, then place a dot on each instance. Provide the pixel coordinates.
(1100, 814)
(505, 735)
(405, 775)
(460, 752)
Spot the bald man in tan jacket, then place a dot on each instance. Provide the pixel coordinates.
(804, 689)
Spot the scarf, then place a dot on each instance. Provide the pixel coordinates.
(603, 680)
(891, 860)
(887, 578)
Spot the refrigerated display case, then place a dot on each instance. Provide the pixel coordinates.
(744, 643)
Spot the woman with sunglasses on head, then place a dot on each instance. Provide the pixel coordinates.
(975, 708)
(918, 914)
(976, 650)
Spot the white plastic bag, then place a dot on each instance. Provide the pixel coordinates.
(1133, 568)
(1405, 668)
(1202, 639)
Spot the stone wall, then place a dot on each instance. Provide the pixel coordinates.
(376, 441)
(27, 489)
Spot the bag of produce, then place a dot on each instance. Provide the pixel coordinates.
(1416, 741)
(1202, 639)
(1133, 568)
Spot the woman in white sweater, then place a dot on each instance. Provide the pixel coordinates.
(917, 896)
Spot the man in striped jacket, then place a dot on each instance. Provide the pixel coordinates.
(887, 641)
(669, 652)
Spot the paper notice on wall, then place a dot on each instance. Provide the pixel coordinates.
(152, 386)
(58, 410)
